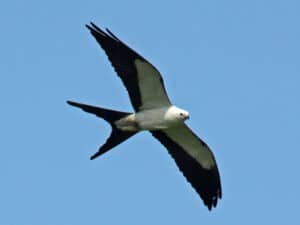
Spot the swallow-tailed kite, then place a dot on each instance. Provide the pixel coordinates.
(155, 113)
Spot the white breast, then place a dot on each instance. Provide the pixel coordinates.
(160, 118)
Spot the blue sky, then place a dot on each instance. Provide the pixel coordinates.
(233, 65)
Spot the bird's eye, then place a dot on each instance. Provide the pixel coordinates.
(181, 114)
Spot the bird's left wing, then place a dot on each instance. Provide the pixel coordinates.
(141, 79)
(195, 160)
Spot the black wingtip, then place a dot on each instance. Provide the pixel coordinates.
(112, 35)
(76, 104)
(212, 203)
(94, 28)
(88, 27)
(95, 155)
(72, 103)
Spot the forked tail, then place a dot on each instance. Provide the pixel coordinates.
(116, 136)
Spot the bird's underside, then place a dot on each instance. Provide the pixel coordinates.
(155, 113)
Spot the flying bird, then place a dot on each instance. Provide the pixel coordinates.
(155, 113)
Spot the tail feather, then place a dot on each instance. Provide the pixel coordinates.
(106, 114)
(116, 136)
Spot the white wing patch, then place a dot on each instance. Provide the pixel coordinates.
(151, 86)
(186, 139)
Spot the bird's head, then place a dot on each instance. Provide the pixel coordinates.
(176, 114)
(183, 114)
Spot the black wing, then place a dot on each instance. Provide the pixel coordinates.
(142, 80)
(195, 160)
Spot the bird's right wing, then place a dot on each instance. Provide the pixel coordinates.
(142, 80)
(195, 160)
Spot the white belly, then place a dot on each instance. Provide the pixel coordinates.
(154, 119)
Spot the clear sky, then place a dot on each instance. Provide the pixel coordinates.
(234, 65)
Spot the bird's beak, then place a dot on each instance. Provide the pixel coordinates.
(188, 117)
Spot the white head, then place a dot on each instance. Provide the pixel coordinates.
(175, 114)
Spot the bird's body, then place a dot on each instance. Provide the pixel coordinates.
(153, 119)
(155, 113)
